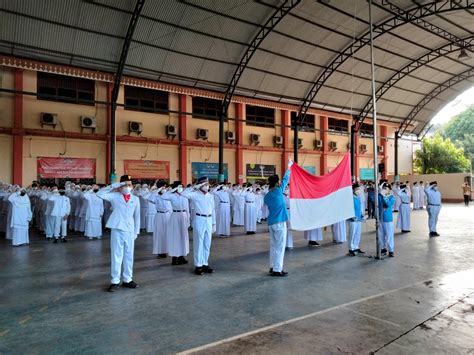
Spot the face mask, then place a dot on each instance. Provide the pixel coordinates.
(180, 189)
(55, 191)
(96, 190)
(22, 193)
(205, 188)
(126, 190)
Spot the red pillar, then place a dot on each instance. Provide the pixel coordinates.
(239, 152)
(17, 129)
(285, 133)
(183, 153)
(108, 155)
(323, 160)
(383, 143)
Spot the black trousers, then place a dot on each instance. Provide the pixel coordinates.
(466, 200)
(371, 208)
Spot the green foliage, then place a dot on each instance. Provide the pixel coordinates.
(438, 156)
(460, 129)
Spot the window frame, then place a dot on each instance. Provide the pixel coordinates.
(145, 95)
(266, 121)
(58, 85)
(308, 127)
(338, 129)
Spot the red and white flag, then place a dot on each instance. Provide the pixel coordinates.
(318, 201)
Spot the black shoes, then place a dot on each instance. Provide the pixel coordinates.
(181, 260)
(383, 251)
(360, 251)
(55, 241)
(249, 233)
(207, 269)
(161, 256)
(198, 271)
(130, 284)
(113, 287)
(404, 231)
(313, 243)
(277, 273)
(434, 234)
(174, 260)
(351, 253)
(390, 254)
(64, 240)
(270, 271)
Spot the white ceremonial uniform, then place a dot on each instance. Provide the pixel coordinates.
(289, 233)
(83, 211)
(239, 208)
(339, 231)
(421, 197)
(20, 218)
(163, 210)
(433, 207)
(61, 208)
(259, 206)
(416, 197)
(143, 207)
(250, 212)
(93, 217)
(222, 213)
(403, 219)
(314, 235)
(203, 225)
(150, 214)
(124, 223)
(72, 194)
(178, 236)
(398, 201)
(48, 218)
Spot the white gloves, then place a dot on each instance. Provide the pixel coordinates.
(290, 163)
(116, 185)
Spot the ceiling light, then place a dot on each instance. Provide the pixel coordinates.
(463, 55)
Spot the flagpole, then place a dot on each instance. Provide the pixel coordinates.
(375, 145)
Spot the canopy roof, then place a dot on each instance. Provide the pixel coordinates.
(314, 55)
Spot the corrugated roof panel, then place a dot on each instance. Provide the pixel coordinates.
(215, 72)
(97, 46)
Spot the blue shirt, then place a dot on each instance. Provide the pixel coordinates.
(386, 208)
(275, 201)
(357, 208)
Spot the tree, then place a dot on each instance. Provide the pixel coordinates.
(460, 129)
(438, 156)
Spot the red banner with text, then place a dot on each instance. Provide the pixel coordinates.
(74, 168)
(147, 169)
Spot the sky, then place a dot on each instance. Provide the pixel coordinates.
(456, 106)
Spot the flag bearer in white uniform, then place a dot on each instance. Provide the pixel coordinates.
(204, 224)
(277, 218)
(124, 223)
(60, 214)
(163, 213)
(222, 211)
(421, 192)
(355, 224)
(20, 217)
(94, 213)
(403, 220)
(178, 236)
(433, 206)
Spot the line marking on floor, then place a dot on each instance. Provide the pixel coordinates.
(310, 315)
(42, 309)
(5, 332)
(372, 317)
(25, 320)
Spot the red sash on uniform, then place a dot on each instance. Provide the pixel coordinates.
(126, 197)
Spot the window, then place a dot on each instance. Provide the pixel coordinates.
(260, 116)
(335, 125)
(366, 129)
(308, 124)
(146, 100)
(65, 88)
(208, 109)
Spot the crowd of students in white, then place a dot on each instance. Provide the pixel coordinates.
(74, 207)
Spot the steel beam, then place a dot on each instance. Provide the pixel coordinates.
(118, 78)
(409, 68)
(466, 75)
(416, 13)
(271, 23)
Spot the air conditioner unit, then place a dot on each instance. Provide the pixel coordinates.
(333, 145)
(202, 133)
(380, 148)
(49, 119)
(88, 122)
(300, 142)
(363, 148)
(171, 131)
(318, 144)
(254, 138)
(278, 141)
(230, 136)
(135, 127)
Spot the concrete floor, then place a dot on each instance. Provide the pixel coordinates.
(52, 298)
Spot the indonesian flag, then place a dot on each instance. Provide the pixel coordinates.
(318, 201)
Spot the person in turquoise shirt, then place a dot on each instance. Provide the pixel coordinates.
(277, 218)
(355, 223)
(386, 230)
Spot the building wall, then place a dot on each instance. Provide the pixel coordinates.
(152, 143)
